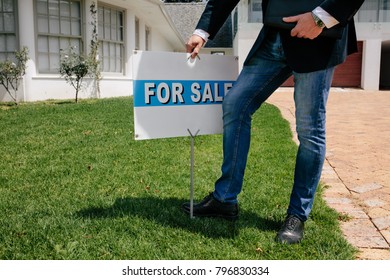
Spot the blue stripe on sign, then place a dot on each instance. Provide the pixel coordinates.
(178, 93)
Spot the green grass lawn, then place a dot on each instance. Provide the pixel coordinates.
(75, 185)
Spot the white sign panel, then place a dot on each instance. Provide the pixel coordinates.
(174, 95)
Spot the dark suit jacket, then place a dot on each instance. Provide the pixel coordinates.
(303, 55)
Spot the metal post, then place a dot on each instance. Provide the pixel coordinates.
(192, 173)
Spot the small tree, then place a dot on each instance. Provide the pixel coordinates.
(11, 73)
(73, 67)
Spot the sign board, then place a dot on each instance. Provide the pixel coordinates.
(174, 94)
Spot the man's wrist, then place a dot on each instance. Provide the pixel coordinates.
(317, 20)
(201, 33)
(325, 17)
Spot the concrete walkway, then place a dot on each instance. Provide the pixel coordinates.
(357, 166)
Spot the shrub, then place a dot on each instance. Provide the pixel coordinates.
(73, 67)
(11, 73)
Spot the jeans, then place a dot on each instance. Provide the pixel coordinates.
(260, 77)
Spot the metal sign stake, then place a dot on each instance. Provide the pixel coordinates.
(192, 173)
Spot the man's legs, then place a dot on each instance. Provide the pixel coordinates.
(258, 80)
(253, 87)
(264, 73)
(310, 95)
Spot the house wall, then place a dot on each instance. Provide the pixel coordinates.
(36, 86)
(372, 35)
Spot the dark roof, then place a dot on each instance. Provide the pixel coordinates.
(185, 16)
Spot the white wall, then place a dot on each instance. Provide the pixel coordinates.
(37, 86)
(246, 34)
(26, 34)
(371, 64)
(372, 35)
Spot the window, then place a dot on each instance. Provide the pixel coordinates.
(384, 11)
(235, 22)
(374, 11)
(58, 25)
(111, 37)
(8, 34)
(255, 11)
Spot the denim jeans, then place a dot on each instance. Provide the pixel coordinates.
(260, 77)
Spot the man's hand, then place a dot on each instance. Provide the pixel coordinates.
(305, 27)
(194, 44)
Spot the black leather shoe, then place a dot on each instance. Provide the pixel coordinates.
(291, 231)
(210, 207)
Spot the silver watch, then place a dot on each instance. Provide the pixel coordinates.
(317, 20)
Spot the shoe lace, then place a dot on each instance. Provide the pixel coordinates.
(291, 222)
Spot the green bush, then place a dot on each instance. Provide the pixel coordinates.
(11, 73)
(73, 67)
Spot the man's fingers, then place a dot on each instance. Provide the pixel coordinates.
(291, 19)
(305, 26)
(194, 51)
(295, 32)
(194, 44)
(190, 47)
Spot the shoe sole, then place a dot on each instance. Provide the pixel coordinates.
(230, 218)
(287, 240)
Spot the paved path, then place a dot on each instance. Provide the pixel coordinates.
(357, 167)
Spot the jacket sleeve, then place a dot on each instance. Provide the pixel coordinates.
(342, 10)
(215, 14)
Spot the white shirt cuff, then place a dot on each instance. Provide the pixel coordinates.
(202, 33)
(326, 18)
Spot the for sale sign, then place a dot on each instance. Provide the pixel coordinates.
(174, 94)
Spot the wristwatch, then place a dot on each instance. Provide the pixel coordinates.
(317, 20)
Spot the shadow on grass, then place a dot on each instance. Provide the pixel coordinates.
(167, 212)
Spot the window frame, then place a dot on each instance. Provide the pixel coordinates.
(120, 43)
(373, 11)
(255, 16)
(10, 54)
(59, 36)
